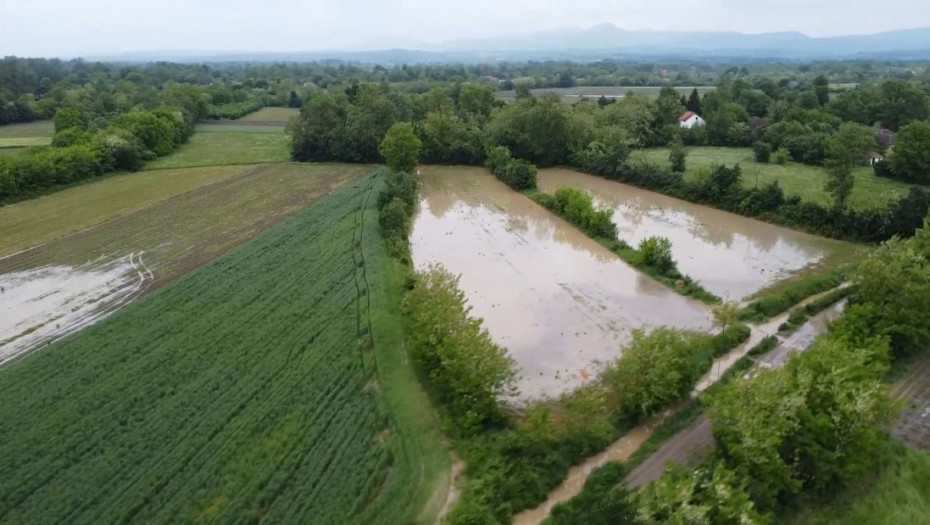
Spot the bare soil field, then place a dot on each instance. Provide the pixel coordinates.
(54, 289)
(730, 255)
(562, 304)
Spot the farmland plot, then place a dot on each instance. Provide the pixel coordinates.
(59, 287)
(560, 302)
(730, 255)
(249, 391)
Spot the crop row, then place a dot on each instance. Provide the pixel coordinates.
(236, 394)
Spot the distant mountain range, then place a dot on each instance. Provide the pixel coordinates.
(598, 42)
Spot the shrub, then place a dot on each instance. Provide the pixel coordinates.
(516, 173)
(677, 157)
(781, 156)
(657, 252)
(761, 151)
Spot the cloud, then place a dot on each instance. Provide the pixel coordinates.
(68, 28)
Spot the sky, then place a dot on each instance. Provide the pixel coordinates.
(69, 28)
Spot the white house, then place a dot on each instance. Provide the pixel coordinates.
(689, 119)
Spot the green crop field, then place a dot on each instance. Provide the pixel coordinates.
(794, 178)
(39, 220)
(269, 114)
(268, 386)
(224, 148)
(39, 128)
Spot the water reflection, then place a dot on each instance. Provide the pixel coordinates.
(730, 255)
(561, 303)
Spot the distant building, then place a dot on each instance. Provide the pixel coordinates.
(875, 158)
(490, 79)
(689, 119)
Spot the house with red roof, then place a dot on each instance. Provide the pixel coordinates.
(689, 119)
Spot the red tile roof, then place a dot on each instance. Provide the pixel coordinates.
(686, 115)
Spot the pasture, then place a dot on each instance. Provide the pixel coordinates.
(227, 148)
(269, 386)
(37, 129)
(574, 94)
(270, 114)
(23, 135)
(794, 178)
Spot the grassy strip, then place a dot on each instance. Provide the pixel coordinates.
(600, 483)
(671, 277)
(779, 301)
(800, 315)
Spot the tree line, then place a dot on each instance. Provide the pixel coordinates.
(464, 124)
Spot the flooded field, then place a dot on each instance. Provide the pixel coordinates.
(561, 303)
(730, 255)
(56, 288)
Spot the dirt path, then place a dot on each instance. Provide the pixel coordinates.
(452, 489)
(914, 389)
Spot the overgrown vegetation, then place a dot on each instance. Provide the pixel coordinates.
(771, 304)
(802, 434)
(800, 315)
(654, 256)
(604, 498)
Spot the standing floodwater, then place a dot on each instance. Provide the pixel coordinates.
(561, 303)
(730, 255)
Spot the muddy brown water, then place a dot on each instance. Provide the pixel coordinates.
(561, 304)
(730, 255)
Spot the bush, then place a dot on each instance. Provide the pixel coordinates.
(781, 156)
(516, 173)
(577, 207)
(677, 157)
(761, 151)
(657, 252)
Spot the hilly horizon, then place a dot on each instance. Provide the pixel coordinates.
(571, 43)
